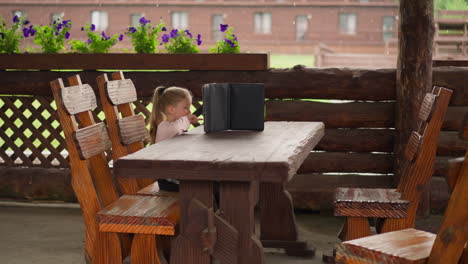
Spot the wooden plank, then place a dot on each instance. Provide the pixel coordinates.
(86, 102)
(357, 140)
(132, 129)
(244, 61)
(339, 115)
(456, 63)
(450, 144)
(347, 162)
(273, 155)
(400, 247)
(344, 84)
(427, 107)
(453, 118)
(413, 146)
(121, 91)
(92, 140)
(316, 191)
(369, 202)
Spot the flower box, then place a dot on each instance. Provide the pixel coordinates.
(133, 61)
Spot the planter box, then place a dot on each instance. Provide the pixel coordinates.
(132, 61)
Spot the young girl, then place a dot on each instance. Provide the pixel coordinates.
(170, 117)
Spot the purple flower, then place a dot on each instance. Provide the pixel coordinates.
(55, 22)
(235, 37)
(232, 44)
(59, 27)
(26, 32)
(26, 22)
(199, 41)
(174, 33)
(188, 33)
(132, 30)
(163, 29)
(104, 36)
(223, 27)
(121, 37)
(32, 31)
(165, 38)
(56, 33)
(89, 41)
(15, 19)
(67, 35)
(65, 22)
(143, 21)
(93, 27)
(82, 28)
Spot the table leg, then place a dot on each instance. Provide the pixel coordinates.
(237, 204)
(186, 250)
(277, 221)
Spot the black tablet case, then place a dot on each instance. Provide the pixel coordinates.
(233, 106)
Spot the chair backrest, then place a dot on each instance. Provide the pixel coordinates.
(86, 142)
(453, 233)
(420, 152)
(127, 131)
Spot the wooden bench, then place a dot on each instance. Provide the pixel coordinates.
(414, 246)
(108, 218)
(397, 206)
(451, 33)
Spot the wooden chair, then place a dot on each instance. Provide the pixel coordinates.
(108, 229)
(414, 246)
(128, 132)
(397, 206)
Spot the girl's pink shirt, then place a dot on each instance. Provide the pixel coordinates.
(168, 129)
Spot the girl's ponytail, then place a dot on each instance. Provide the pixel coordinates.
(157, 115)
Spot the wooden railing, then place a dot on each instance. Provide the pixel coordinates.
(357, 149)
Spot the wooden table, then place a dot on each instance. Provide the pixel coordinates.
(238, 160)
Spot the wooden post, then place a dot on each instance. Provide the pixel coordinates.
(414, 71)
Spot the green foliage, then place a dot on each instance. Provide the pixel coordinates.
(144, 37)
(229, 44)
(51, 38)
(96, 43)
(181, 42)
(10, 37)
(451, 4)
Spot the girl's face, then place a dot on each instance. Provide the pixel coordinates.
(180, 109)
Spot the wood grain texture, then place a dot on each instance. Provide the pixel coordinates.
(92, 140)
(362, 202)
(121, 91)
(426, 108)
(356, 227)
(147, 211)
(273, 155)
(140, 253)
(413, 146)
(244, 62)
(357, 140)
(132, 129)
(340, 115)
(85, 94)
(403, 246)
(454, 169)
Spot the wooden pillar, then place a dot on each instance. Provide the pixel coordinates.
(414, 72)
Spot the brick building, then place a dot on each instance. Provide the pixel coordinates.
(279, 26)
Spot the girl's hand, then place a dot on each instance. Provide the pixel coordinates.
(194, 119)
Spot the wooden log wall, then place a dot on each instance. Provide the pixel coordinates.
(357, 149)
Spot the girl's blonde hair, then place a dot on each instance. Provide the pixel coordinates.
(162, 98)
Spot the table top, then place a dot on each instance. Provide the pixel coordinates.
(272, 155)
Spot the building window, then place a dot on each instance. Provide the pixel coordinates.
(180, 20)
(302, 26)
(20, 13)
(56, 17)
(348, 24)
(135, 19)
(100, 19)
(217, 19)
(387, 27)
(262, 23)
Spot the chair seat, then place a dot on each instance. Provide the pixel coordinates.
(361, 202)
(402, 246)
(153, 190)
(139, 214)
